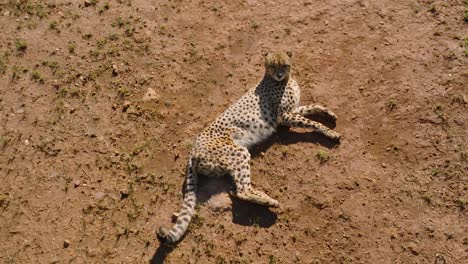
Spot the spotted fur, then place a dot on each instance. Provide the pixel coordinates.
(222, 148)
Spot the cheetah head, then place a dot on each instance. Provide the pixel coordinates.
(278, 65)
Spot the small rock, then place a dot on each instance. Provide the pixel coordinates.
(87, 3)
(440, 259)
(126, 105)
(150, 95)
(6, 13)
(383, 165)
(115, 70)
(66, 243)
(76, 183)
(26, 142)
(91, 132)
(413, 249)
(124, 194)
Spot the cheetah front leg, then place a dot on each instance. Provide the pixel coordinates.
(240, 171)
(293, 119)
(306, 110)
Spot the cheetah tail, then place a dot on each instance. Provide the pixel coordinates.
(174, 234)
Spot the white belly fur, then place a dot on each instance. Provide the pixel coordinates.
(248, 138)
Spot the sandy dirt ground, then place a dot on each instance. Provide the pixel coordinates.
(100, 102)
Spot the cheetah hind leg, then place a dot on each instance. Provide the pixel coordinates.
(255, 196)
(243, 188)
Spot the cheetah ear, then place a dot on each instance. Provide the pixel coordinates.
(265, 53)
(289, 53)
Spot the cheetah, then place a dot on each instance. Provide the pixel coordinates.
(222, 148)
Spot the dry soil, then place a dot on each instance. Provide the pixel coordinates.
(91, 165)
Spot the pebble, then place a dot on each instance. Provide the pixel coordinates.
(76, 183)
(26, 142)
(150, 95)
(383, 165)
(115, 70)
(66, 243)
(126, 105)
(91, 132)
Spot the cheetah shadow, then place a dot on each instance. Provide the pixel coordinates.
(285, 136)
(161, 253)
(245, 213)
(214, 192)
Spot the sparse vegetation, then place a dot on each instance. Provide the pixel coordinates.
(427, 198)
(123, 92)
(197, 222)
(119, 22)
(284, 151)
(461, 203)
(53, 25)
(391, 105)
(29, 7)
(439, 110)
(255, 25)
(322, 156)
(36, 76)
(95, 168)
(71, 47)
(21, 45)
(87, 36)
(104, 8)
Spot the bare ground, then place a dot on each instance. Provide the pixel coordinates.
(89, 169)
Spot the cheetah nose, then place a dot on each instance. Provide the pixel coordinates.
(280, 74)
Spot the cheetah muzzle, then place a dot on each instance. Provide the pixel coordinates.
(222, 148)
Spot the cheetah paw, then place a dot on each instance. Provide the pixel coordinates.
(273, 203)
(332, 115)
(334, 135)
